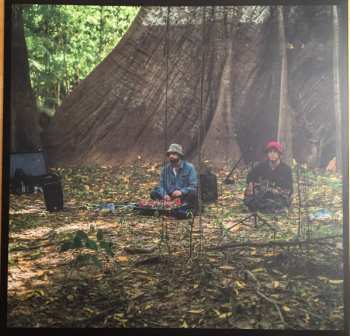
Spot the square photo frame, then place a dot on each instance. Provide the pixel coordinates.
(197, 159)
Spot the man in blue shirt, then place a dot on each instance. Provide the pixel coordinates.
(178, 179)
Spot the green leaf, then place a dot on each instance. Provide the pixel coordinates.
(66, 245)
(37, 65)
(96, 261)
(99, 235)
(107, 246)
(91, 244)
(82, 235)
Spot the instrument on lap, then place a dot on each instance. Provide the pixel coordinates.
(265, 187)
(159, 207)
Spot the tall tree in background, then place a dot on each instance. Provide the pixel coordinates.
(336, 81)
(24, 117)
(284, 131)
(117, 113)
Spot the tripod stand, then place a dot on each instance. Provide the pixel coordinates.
(253, 207)
(256, 219)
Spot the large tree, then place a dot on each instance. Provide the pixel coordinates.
(211, 68)
(337, 97)
(284, 130)
(25, 132)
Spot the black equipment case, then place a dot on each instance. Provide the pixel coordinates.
(53, 193)
(29, 170)
(209, 187)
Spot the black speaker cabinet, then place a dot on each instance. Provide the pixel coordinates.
(53, 193)
(209, 187)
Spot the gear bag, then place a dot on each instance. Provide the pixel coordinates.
(209, 187)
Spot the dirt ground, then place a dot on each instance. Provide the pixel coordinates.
(82, 267)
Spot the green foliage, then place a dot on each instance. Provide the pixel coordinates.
(108, 247)
(99, 235)
(66, 245)
(80, 239)
(66, 42)
(91, 244)
(81, 235)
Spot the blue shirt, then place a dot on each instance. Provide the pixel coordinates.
(185, 179)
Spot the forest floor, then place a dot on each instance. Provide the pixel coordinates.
(87, 268)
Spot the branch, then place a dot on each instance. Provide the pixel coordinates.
(139, 250)
(274, 303)
(251, 276)
(271, 243)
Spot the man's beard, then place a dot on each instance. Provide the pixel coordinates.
(174, 161)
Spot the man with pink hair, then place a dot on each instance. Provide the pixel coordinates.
(269, 183)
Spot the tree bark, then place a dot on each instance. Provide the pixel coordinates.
(118, 112)
(284, 132)
(24, 115)
(336, 81)
(120, 107)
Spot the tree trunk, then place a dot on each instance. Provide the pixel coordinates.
(337, 104)
(119, 111)
(284, 132)
(24, 116)
(120, 107)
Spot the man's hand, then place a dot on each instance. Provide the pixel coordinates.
(176, 193)
(167, 198)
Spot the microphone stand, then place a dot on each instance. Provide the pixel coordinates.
(228, 179)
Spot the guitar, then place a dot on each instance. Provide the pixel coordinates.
(264, 187)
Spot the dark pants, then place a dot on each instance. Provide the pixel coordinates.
(191, 199)
(267, 203)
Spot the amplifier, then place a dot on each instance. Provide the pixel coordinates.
(209, 187)
(53, 193)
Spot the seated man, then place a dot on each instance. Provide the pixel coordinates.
(270, 183)
(178, 179)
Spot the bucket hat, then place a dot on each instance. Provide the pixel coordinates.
(175, 148)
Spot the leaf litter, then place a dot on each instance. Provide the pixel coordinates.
(82, 268)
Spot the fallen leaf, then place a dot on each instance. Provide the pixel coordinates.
(184, 325)
(70, 297)
(239, 284)
(225, 315)
(122, 258)
(275, 284)
(39, 292)
(286, 308)
(196, 311)
(89, 310)
(118, 315)
(336, 282)
(217, 312)
(227, 268)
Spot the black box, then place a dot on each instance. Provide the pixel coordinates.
(53, 193)
(209, 187)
